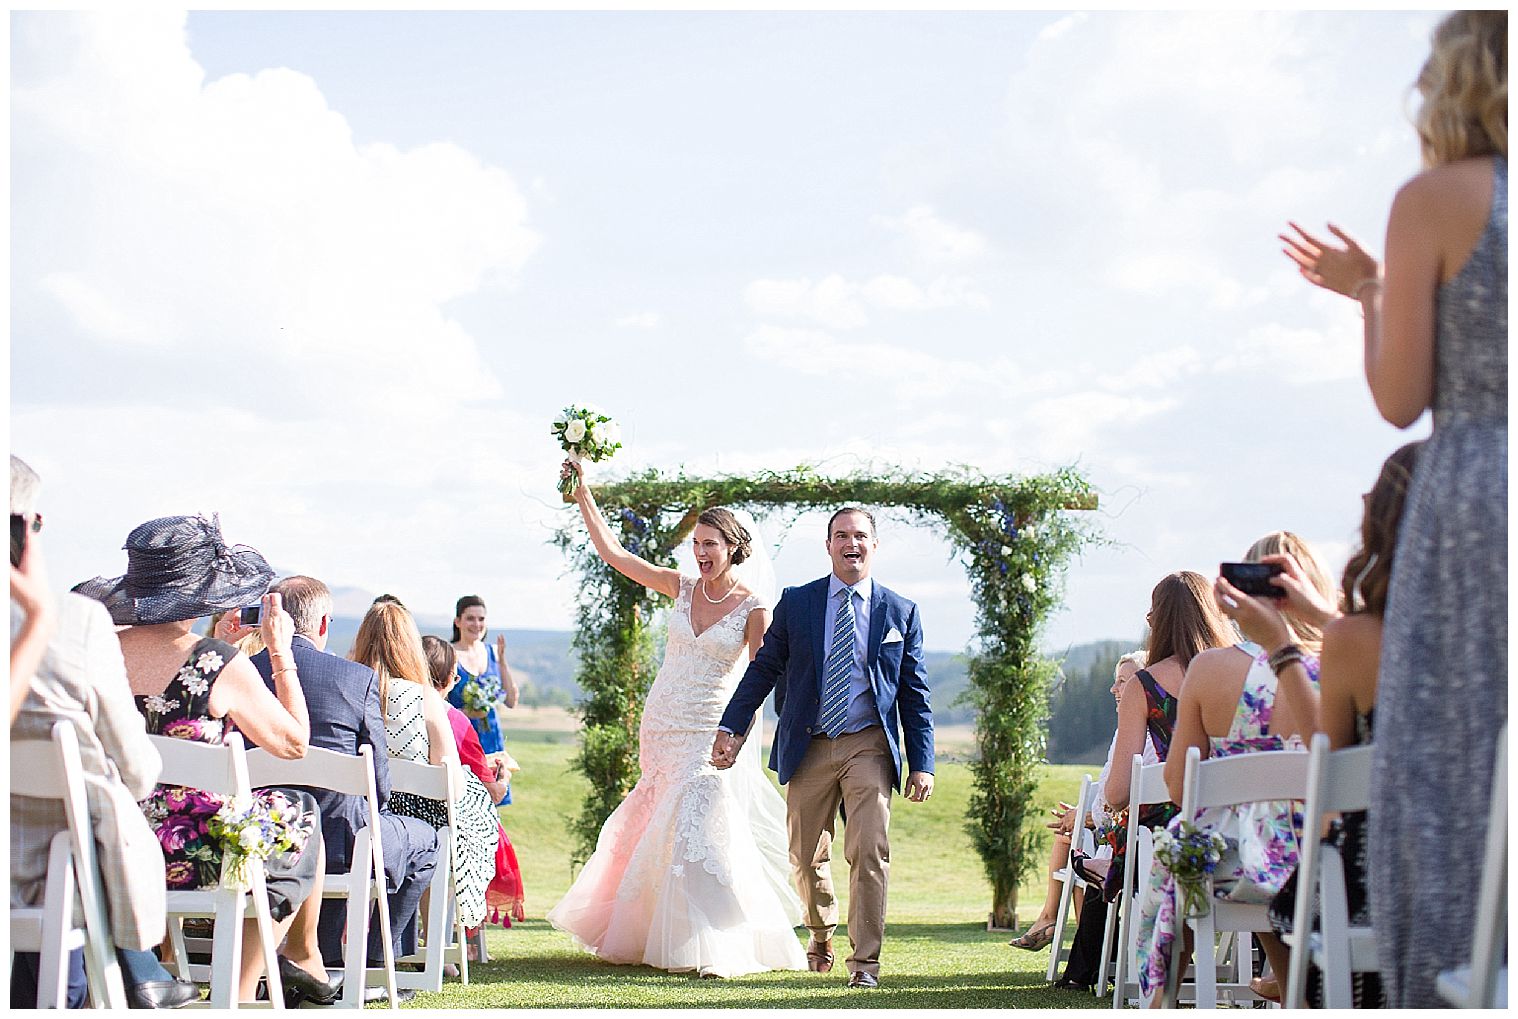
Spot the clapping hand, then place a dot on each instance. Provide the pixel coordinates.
(1342, 270)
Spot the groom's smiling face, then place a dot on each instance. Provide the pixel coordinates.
(851, 544)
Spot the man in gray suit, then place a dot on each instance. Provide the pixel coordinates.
(342, 701)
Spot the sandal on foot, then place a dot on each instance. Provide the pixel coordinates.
(1268, 988)
(1037, 936)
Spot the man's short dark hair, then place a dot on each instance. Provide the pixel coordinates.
(307, 600)
(874, 533)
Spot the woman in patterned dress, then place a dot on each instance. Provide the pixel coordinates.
(196, 688)
(1228, 705)
(417, 729)
(1436, 339)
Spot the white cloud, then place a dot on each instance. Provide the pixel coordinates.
(934, 239)
(839, 303)
(1295, 356)
(640, 320)
(832, 301)
(241, 212)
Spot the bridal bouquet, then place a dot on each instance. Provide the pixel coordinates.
(1191, 854)
(586, 433)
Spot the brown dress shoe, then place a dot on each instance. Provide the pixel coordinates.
(863, 979)
(819, 955)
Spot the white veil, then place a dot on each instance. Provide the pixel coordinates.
(757, 572)
(764, 807)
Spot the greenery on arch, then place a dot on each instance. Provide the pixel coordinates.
(1015, 537)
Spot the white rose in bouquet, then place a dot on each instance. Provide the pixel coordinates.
(585, 433)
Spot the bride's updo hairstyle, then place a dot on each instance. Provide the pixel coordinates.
(734, 533)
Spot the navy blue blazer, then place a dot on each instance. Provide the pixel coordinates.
(790, 663)
(342, 700)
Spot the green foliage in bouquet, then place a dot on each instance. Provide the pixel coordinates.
(1014, 537)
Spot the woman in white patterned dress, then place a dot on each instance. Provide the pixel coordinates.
(691, 872)
(417, 729)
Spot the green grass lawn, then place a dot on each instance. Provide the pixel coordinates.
(937, 953)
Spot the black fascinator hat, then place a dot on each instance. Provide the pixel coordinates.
(179, 568)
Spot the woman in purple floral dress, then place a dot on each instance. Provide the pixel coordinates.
(199, 689)
(1228, 705)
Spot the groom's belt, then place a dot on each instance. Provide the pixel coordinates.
(816, 731)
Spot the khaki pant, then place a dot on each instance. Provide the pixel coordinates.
(855, 769)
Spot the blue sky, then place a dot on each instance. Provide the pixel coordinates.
(332, 275)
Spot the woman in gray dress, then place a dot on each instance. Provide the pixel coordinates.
(1436, 338)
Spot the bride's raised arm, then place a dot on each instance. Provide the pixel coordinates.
(639, 571)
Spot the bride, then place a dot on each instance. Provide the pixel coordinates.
(691, 872)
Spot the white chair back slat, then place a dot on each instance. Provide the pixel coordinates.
(1259, 777)
(221, 769)
(338, 773)
(53, 769)
(1146, 786)
(1490, 942)
(364, 883)
(1068, 880)
(1242, 778)
(208, 767)
(1337, 781)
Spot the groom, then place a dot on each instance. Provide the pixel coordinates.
(844, 657)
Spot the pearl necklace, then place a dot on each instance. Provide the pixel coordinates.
(716, 601)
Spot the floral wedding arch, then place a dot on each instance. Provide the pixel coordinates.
(1014, 537)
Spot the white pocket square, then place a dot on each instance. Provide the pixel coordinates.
(893, 636)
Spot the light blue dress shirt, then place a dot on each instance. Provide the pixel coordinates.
(862, 712)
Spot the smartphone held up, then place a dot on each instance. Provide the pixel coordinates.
(1254, 578)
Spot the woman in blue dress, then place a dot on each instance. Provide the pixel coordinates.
(485, 680)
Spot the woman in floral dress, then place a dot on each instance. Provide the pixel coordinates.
(199, 689)
(1228, 705)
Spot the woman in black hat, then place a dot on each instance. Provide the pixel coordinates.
(199, 688)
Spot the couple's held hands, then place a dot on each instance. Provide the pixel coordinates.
(919, 786)
(1349, 270)
(725, 750)
(1262, 619)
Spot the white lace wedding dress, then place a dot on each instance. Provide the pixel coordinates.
(691, 872)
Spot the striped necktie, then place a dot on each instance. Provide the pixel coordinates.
(839, 667)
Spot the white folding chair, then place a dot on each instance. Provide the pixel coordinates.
(363, 885)
(221, 769)
(1337, 782)
(1070, 882)
(52, 770)
(1218, 782)
(1146, 787)
(1483, 984)
(442, 938)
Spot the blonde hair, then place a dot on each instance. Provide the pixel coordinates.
(1464, 88)
(1309, 635)
(389, 642)
(1137, 658)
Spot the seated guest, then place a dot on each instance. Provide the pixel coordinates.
(417, 729)
(178, 570)
(1183, 622)
(343, 699)
(80, 679)
(31, 602)
(1041, 932)
(1229, 706)
(1347, 690)
(505, 895)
